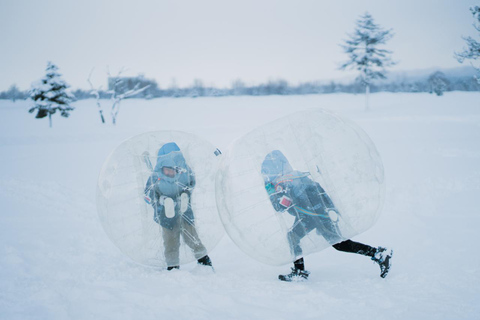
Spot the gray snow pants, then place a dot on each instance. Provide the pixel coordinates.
(171, 241)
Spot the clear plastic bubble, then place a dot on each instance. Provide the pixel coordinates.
(181, 198)
(299, 184)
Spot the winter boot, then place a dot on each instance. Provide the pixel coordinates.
(205, 261)
(173, 267)
(383, 257)
(295, 275)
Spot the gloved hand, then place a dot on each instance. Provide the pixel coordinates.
(147, 199)
(149, 194)
(280, 202)
(270, 188)
(285, 201)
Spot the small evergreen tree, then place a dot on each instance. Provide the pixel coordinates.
(438, 83)
(472, 52)
(364, 54)
(50, 94)
(14, 93)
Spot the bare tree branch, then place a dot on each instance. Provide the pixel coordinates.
(95, 92)
(114, 90)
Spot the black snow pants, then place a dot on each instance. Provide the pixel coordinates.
(355, 247)
(345, 246)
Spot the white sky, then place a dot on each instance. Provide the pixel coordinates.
(217, 41)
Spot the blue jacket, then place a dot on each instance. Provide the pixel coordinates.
(159, 184)
(295, 192)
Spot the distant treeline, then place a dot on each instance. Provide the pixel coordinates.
(276, 87)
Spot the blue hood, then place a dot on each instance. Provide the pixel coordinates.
(275, 165)
(170, 155)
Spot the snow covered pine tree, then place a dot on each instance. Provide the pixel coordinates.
(438, 83)
(472, 52)
(363, 53)
(50, 94)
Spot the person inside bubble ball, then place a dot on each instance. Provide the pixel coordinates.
(305, 199)
(168, 190)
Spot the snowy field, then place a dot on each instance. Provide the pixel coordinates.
(56, 261)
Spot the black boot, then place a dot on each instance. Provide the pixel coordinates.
(383, 257)
(205, 261)
(298, 272)
(295, 275)
(173, 267)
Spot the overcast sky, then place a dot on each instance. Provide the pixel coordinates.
(217, 41)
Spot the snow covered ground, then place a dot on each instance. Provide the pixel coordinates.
(56, 262)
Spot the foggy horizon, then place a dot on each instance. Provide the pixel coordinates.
(218, 42)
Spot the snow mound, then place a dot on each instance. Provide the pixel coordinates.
(320, 147)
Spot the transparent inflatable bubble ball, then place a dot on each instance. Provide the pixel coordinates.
(156, 198)
(298, 185)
